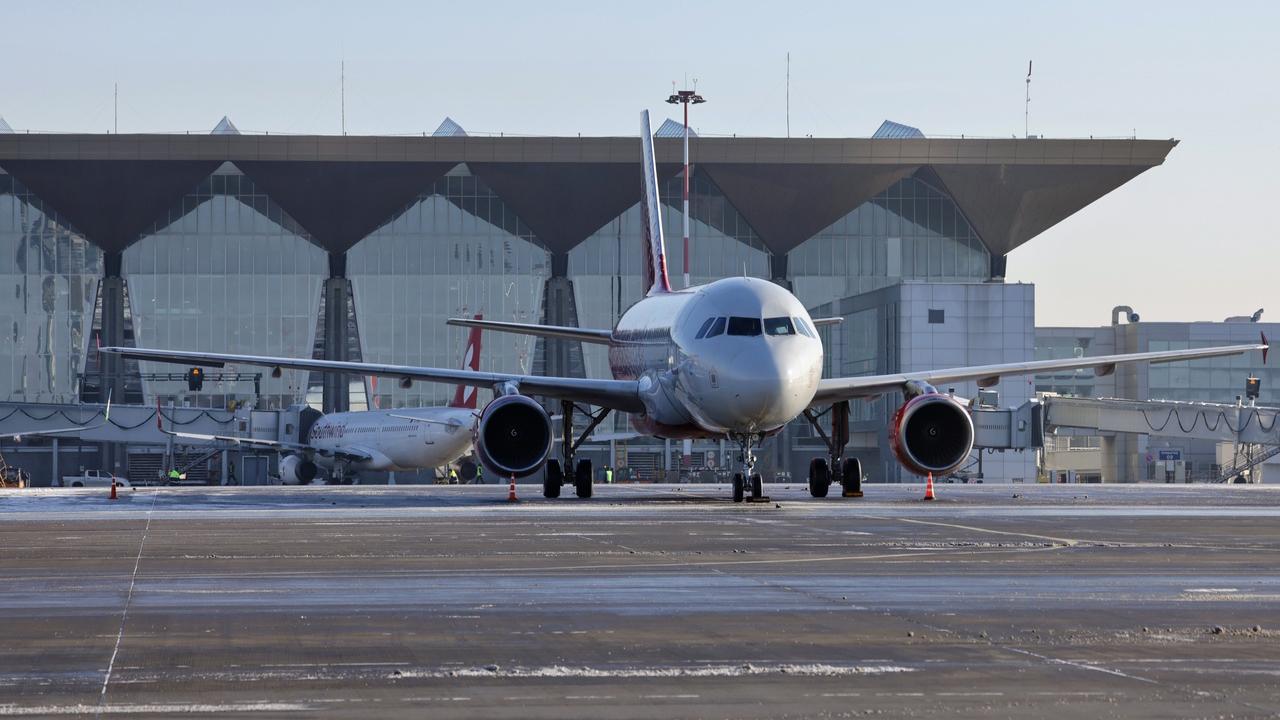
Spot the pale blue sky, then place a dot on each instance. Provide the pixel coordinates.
(1194, 239)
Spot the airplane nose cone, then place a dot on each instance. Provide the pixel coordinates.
(769, 386)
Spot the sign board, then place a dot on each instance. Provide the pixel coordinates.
(1168, 454)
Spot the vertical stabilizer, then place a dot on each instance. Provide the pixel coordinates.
(655, 250)
(465, 395)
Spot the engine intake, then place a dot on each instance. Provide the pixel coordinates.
(295, 470)
(931, 433)
(514, 436)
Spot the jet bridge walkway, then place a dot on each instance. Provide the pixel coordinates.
(1254, 430)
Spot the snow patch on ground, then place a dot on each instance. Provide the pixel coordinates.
(566, 671)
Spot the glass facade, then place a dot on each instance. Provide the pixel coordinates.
(225, 270)
(50, 275)
(911, 231)
(455, 251)
(608, 267)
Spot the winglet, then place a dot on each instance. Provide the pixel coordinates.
(106, 415)
(1265, 347)
(159, 417)
(655, 251)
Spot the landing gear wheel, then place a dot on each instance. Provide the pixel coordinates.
(582, 479)
(819, 478)
(552, 479)
(737, 487)
(851, 478)
(757, 487)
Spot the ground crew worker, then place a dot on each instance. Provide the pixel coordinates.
(608, 474)
(479, 474)
(174, 476)
(453, 475)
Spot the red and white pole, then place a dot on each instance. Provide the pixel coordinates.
(686, 194)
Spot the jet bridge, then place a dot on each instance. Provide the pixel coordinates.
(1253, 430)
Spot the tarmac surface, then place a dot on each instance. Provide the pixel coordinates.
(647, 601)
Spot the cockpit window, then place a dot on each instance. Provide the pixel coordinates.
(744, 326)
(717, 328)
(702, 332)
(778, 326)
(801, 326)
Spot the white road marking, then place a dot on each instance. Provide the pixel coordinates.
(124, 613)
(153, 709)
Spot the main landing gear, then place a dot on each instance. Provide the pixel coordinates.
(846, 472)
(748, 475)
(558, 474)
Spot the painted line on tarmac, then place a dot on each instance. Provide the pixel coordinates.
(124, 613)
(1062, 541)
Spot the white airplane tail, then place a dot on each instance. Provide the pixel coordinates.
(655, 250)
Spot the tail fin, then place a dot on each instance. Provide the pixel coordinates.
(465, 395)
(655, 250)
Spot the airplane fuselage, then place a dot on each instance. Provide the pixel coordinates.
(736, 356)
(392, 441)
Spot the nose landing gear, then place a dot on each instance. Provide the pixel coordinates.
(748, 474)
(834, 468)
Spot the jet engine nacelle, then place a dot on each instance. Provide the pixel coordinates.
(296, 470)
(514, 436)
(931, 433)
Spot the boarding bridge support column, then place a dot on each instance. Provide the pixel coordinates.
(1110, 461)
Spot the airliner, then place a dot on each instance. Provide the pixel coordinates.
(737, 358)
(381, 440)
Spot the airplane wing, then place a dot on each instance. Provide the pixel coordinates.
(432, 421)
(621, 395)
(106, 418)
(600, 337)
(836, 389)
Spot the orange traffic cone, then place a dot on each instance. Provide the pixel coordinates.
(928, 488)
(511, 491)
(113, 488)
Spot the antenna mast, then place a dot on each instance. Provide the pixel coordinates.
(115, 110)
(788, 93)
(1026, 109)
(342, 92)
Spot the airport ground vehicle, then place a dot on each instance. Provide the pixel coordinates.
(93, 478)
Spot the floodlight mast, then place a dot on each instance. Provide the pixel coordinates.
(685, 97)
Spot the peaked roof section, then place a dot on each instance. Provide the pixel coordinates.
(892, 130)
(672, 129)
(225, 127)
(340, 202)
(112, 203)
(449, 128)
(564, 203)
(4, 126)
(1010, 204)
(788, 204)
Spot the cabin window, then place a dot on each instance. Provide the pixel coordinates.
(717, 328)
(705, 327)
(744, 326)
(778, 326)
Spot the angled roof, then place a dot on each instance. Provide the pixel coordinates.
(892, 130)
(225, 127)
(4, 126)
(111, 187)
(672, 129)
(449, 128)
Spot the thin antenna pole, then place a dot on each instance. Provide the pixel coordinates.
(788, 93)
(1026, 109)
(115, 110)
(342, 92)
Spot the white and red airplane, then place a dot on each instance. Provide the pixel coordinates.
(404, 439)
(737, 358)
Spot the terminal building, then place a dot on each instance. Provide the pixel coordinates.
(359, 248)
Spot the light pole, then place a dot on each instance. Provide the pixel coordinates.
(685, 97)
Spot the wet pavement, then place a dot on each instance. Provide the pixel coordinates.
(1004, 600)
